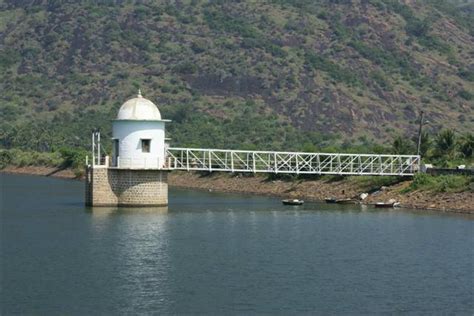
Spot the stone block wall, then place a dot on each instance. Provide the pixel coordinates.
(125, 187)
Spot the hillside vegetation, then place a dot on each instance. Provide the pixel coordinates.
(281, 74)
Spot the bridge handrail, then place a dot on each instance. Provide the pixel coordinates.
(180, 158)
(292, 152)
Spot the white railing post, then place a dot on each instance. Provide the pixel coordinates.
(297, 164)
(210, 162)
(187, 159)
(93, 148)
(318, 162)
(232, 161)
(382, 169)
(98, 148)
(339, 163)
(253, 162)
(275, 161)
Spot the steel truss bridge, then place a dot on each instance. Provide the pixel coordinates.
(193, 159)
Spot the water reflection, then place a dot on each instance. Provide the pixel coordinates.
(138, 239)
(104, 211)
(226, 254)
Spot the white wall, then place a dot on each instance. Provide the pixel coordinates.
(129, 134)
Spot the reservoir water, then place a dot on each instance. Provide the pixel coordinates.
(213, 253)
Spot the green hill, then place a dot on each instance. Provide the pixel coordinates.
(237, 74)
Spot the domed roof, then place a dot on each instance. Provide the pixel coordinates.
(139, 109)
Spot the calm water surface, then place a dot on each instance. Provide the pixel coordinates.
(226, 254)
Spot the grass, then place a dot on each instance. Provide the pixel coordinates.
(421, 182)
(363, 183)
(440, 184)
(373, 183)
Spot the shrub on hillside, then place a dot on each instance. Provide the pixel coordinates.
(72, 157)
(20, 158)
(5, 158)
(445, 183)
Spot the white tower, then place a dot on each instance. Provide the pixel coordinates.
(138, 136)
(138, 175)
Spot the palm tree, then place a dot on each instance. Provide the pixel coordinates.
(466, 145)
(402, 146)
(425, 144)
(446, 144)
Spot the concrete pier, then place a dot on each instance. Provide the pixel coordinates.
(107, 186)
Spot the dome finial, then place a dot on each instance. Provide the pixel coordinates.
(139, 95)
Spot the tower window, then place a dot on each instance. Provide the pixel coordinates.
(146, 145)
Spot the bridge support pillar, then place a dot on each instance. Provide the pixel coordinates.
(126, 187)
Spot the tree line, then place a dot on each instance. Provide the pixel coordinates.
(446, 148)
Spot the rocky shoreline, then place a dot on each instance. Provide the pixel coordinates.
(319, 190)
(311, 190)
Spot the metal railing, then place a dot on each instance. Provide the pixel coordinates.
(138, 163)
(290, 162)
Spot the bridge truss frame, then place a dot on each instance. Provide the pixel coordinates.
(199, 159)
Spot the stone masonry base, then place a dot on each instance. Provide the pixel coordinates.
(125, 187)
